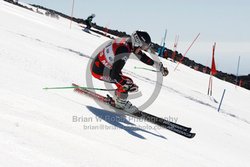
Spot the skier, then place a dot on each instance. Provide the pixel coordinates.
(108, 63)
(89, 22)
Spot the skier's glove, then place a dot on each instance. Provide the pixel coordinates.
(162, 69)
(129, 86)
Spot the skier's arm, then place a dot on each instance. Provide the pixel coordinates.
(119, 62)
(90, 18)
(144, 58)
(115, 73)
(147, 60)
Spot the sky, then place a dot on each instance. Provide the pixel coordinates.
(224, 22)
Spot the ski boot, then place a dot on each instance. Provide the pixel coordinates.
(122, 103)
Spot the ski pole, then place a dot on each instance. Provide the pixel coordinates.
(146, 69)
(72, 87)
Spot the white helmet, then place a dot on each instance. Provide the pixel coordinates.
(141, 39)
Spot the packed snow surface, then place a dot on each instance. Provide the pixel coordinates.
(43, 128)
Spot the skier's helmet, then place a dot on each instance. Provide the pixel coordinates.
(141, 39)
(93, 15)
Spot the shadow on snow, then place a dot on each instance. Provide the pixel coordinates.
(121, 122)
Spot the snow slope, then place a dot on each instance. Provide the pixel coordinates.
(38, 127)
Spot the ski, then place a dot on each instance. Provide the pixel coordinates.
(160, 121)
(174, 127)
(88, 31)
(177, 128)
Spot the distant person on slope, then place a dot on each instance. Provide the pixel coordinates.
(89, 22)
(107, 65)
